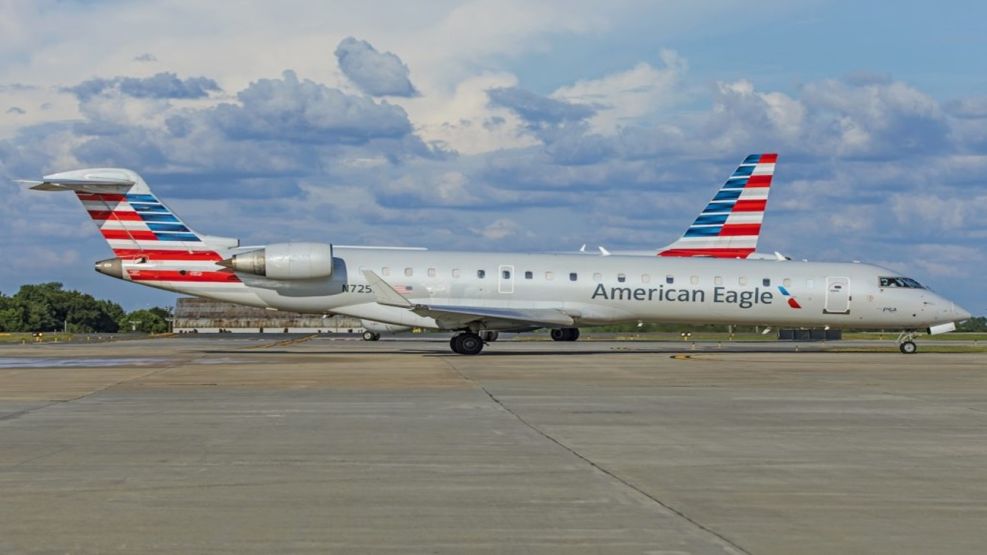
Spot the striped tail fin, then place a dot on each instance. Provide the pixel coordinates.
(730, 225)
(152, 241)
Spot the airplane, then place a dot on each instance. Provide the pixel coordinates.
(476, 293)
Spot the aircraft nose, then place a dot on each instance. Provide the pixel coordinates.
(960, 313)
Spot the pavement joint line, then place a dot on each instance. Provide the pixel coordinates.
(727, 543)
(283, 342)
(25, 412)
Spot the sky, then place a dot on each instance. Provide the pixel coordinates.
(501, 125)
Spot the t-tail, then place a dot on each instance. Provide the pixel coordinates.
(151, 243)
(730, 225)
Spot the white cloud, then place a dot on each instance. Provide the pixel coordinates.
(628, 96)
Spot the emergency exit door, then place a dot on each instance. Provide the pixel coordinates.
(837, 295)
(505, 279)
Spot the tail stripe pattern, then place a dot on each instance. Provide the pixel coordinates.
(730, 224)
(140, 227)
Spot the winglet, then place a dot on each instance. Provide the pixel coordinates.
(384, 293)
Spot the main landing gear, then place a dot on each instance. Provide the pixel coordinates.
(906, 343)
(371, 336)
(466, 343)
(565, 334)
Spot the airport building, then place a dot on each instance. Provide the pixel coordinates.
(194, 315)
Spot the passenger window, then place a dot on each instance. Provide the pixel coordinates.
(620, 278)
(456, 273)
(597, 277)
(506, 274)
(385, 271)
(787, 282)
(742, 280)
(409, 272)
(669, 280)
(549, 276)
(573, 276)
(718, 280)
(766, 282)
(694, 280)
(481, 274)
(431, 272)
(529, 275)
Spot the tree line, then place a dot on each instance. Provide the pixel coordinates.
(47, 307)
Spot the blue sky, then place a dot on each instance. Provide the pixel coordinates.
(503, 125)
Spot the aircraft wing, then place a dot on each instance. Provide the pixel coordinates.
(462, 315)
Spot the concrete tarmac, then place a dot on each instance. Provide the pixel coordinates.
(254, 445)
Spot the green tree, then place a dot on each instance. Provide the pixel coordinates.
(48, 307)
(977, 323)
(146, 320)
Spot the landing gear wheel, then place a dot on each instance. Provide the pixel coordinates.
(489, 336)
(908, 347)
(466, 344)
(370, 336)
(455, 344)
(565, 334)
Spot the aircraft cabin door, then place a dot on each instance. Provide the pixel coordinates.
(837, 295)
(505, 279)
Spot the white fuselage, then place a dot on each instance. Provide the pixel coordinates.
(598, 289)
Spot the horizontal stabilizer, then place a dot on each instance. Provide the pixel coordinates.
(99, 180)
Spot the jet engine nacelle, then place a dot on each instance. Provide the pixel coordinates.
(285, 261)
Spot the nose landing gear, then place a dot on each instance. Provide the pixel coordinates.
(906, 342)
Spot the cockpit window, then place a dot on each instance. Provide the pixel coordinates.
(903, 282)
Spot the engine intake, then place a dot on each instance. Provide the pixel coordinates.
(285, 261)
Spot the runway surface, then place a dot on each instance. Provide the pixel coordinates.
(254, 445)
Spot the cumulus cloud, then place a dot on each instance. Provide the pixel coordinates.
(499, 229)
(625, 97)
(537, 109)
(160, 85)
(974, 107)
(16, 110)
(375, 73)
(146, 57)
(302, 110)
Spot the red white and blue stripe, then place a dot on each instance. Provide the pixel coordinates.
(730, 224)
(140, 228)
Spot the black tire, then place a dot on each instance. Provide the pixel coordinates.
(559, 334)
(455, 344)
(470, 344)
(908, 347)
(370, 336)
(572, 334)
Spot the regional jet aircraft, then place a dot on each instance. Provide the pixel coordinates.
(475, 293)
